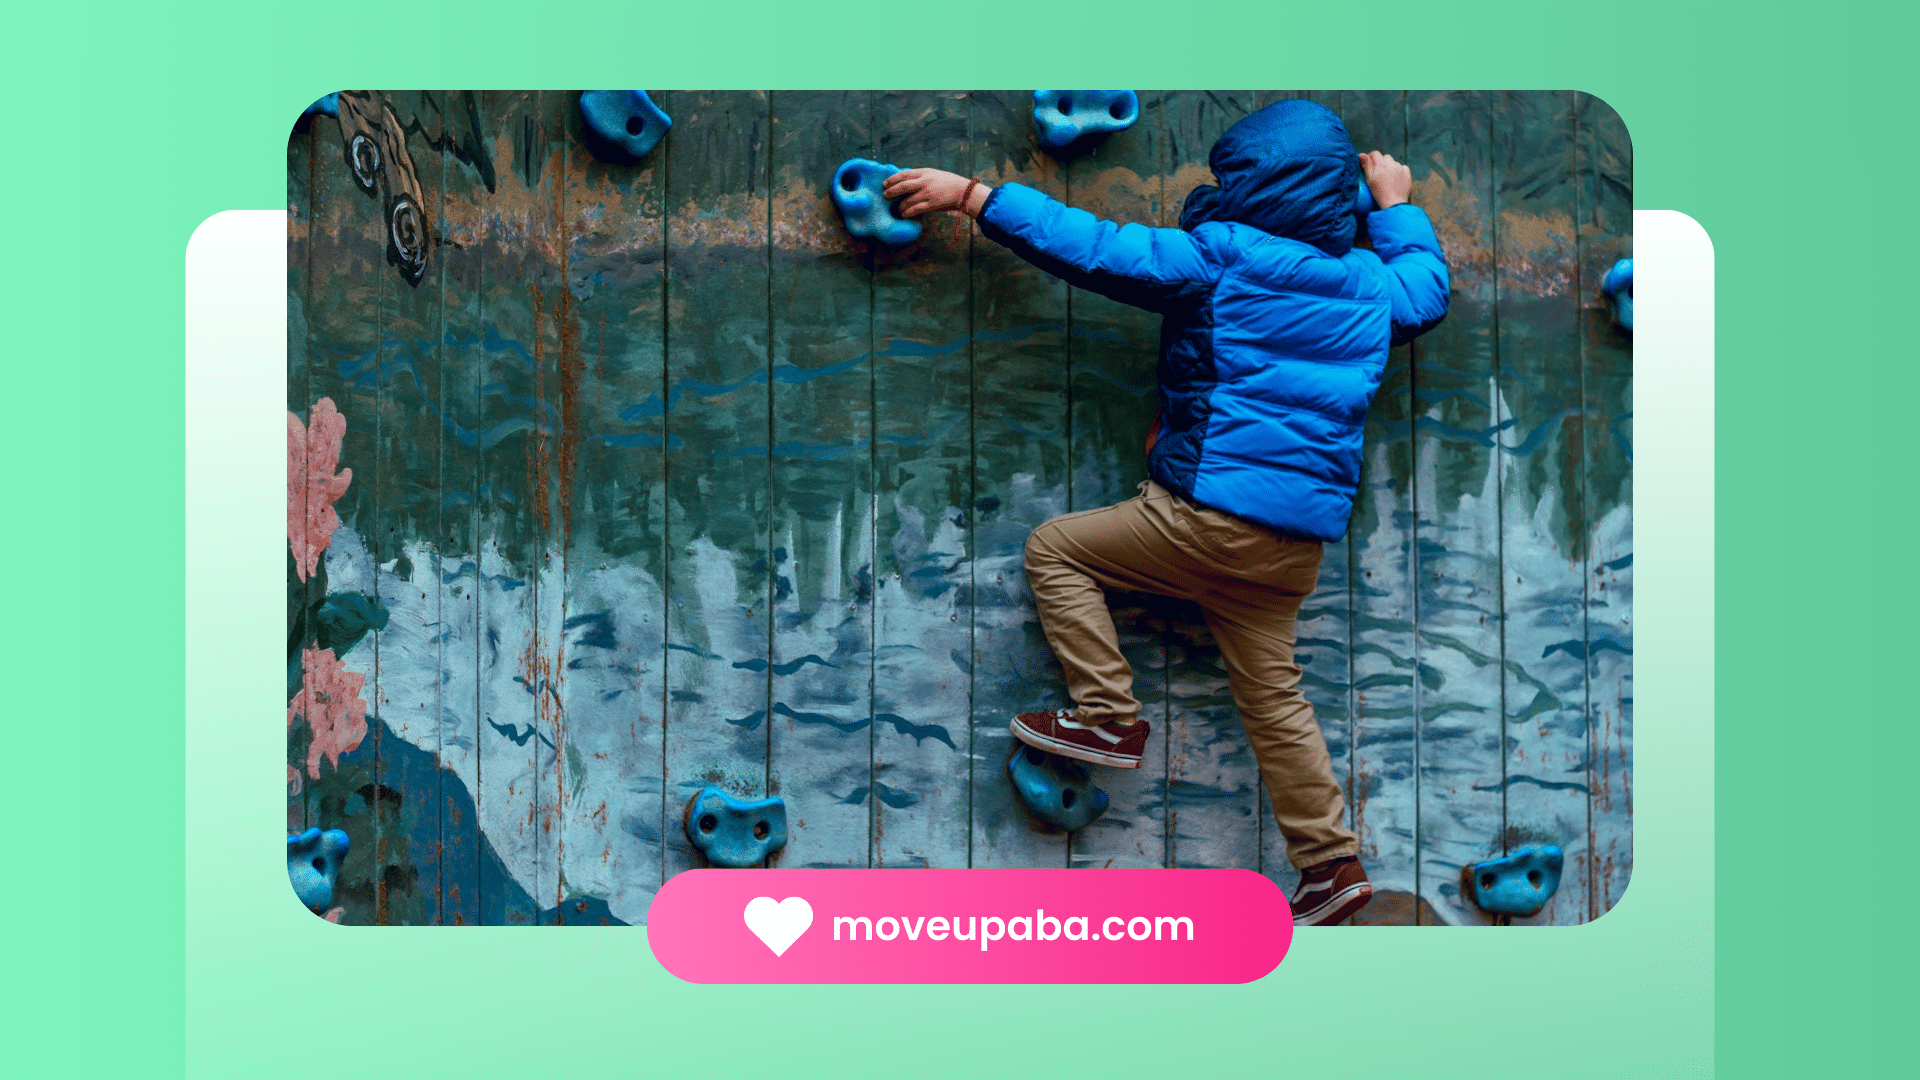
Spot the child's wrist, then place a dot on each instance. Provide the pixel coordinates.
(974, 199)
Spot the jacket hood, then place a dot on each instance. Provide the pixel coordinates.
(1288, 169)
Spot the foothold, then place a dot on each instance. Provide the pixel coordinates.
(735, 832)
(313, 863)
(1057, 790)
(622, 125)
(1063, 116)
(1520, 884)
(1618, 285)
(864, 211)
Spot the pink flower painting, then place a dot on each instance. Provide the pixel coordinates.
(329, 700)
(313, 453)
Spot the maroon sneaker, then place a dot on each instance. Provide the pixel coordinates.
(1118, 745)
(1330, 892)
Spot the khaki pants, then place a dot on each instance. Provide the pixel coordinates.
(1250, 583)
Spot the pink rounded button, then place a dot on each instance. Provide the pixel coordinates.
(969, 926)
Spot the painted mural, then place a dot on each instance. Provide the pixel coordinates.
(610, 482)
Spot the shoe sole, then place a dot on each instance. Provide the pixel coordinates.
(1066, 749)
(1343, 904)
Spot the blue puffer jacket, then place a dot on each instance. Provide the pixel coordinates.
(1275, 327)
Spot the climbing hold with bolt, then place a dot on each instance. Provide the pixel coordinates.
(1618, 285)
(1520, 884)
(1062, 117)
(735, 832)
(1057, 790)
(863, 210)
(622, 125)
(313, 864)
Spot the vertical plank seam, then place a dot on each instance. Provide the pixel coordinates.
(1580, 209)
(377, 547)
(1414, 353)
(530, 148)
(440, 536)
(766, 782)
(873, 526)
(1499, 458)
(479, 592)
(666, 473)
(973, 489)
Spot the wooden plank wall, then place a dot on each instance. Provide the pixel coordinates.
(661, 480)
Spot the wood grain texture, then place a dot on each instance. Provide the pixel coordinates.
(517, 777)
(463, 362)
(613, 678)
(407, 502)
(1542, 500)
(921, 578)
(343, 315)
(822, 735)
(1456, 601)
(718, 417)
(1604, 175)
(663, 480)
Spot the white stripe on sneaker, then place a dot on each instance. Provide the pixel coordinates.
(1066, 749)
(1311, 916)
(1110, 737)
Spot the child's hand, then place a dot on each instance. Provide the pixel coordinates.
(926, 191)
(1390, 181)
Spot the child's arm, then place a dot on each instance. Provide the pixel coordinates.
(1134, 264)
(1403, 237)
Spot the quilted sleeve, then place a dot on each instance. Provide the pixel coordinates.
(1403, 237)
(1134, 264)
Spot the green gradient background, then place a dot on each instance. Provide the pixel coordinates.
(126, 129)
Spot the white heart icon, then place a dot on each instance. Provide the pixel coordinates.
(778, 924)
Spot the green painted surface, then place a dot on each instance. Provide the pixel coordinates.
(665, 481)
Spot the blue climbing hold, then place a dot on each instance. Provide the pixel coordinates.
(313, 863)
(736, 832)
(1618, 285)
(1057, 790)
(1363, 202)
(1063, 116)
(866, 214)
(622, 125)
(1520, 884)
(326, 106)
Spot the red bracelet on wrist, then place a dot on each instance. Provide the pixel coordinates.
(967, 196)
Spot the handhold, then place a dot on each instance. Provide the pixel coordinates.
(1618, 285)
(1363, 202)
(313, 863)
(1061, 116)
(864, 211)
(622, 125)
(1520, 884)
(735, 832)
(1057, 790)
(326, 106)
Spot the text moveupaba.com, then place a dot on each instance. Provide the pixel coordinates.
(991, 928)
